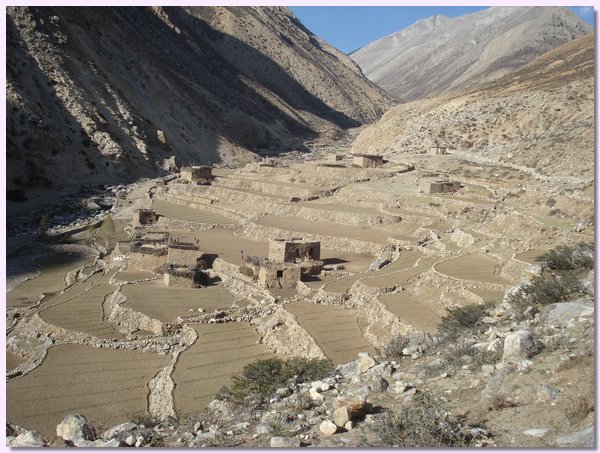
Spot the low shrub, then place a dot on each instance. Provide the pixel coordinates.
(261, 378)
(460, 320)
(579, 408)
(547, 288)
(395, 347)
(422, 424)
(569, 258)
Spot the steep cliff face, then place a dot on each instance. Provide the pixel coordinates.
(440, 55)
(106, 94)
(540, 117)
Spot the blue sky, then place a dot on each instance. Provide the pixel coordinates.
(351, 27)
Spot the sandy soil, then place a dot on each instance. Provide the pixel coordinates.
(105, 385)
(134, 276)
(475, 267)
(166, 304)
(490, 295)
(335, 329)
(401, 273)
(13, 361)
(220, 351)
(50, 279)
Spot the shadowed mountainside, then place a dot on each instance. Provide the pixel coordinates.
(106, 94)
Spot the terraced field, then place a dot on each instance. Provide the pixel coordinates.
(324, 228)
(107, 386)
(13, 361)
(226, 244)
(51, 279)
(80, 308)
(335, 329)
(173, 211)
(530, 255)
(166, 304)
(220, 351)
(134, 276)
(412, 309)
(489, 295)
(474, 267)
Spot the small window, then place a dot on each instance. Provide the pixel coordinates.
(279, 274)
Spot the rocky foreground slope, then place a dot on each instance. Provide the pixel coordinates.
(104, 95)
(539, 118)
(440, 55)
(516, 375)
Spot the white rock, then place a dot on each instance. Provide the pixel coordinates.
(365, 364)
(75, 427)
(341, 416)
(285, 442)
(26, 439)
(328, 427)
(536, 432)
(349, 425)
(518, 345)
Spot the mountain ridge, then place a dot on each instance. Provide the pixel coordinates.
(461, 51)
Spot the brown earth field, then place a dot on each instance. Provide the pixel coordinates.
(105, 385)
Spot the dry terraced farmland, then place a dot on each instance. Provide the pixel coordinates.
(176, 212)
(166, 304)
(107, 386)
(50, 279)
(334, 328)
(220, 351)
(80, 308)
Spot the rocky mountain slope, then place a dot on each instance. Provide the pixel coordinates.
(438, 55)
(540, 117)
(101, 95)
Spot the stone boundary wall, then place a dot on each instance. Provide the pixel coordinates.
(128, 318)
(282, 333)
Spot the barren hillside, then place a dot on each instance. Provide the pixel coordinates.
(439, 55)
(101, 95)
(541, 117)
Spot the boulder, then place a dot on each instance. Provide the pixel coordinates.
(365, 364)
(26, 439)
(341, 416)
(518, 345)
(328, 427)
(563, 314)
(580, 439)
(356, 406)
(119, 430)
(74, 428)
(378, 264)
(285, 442)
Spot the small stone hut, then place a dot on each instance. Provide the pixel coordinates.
(334, 157)
(147, 251)
(442, 186)
(144, 217)
(181, 276)
(437, 150)
(183, 253)
(201, 174)
(279, 275)
(367, 160)
(293, 250)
